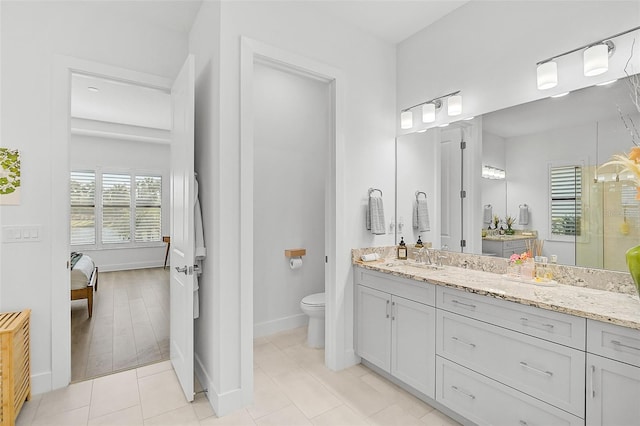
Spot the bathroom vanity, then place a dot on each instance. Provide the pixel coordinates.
(505, 245)
(495, 351)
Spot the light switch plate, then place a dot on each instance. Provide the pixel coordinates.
(21, 233)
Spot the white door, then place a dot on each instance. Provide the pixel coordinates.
(182, 232)
(451, 209)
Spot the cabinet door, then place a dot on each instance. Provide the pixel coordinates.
(373, 325)
(613, 392)
(413, 344)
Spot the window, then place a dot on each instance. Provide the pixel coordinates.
(566, 200)
(148, 225)
(128, 207)
(116, 208)
(83, 208)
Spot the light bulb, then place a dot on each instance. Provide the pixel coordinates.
(428, 113)
(596, 60)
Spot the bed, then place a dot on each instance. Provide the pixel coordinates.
(84, 279)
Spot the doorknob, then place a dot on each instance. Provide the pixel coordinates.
(183, 269)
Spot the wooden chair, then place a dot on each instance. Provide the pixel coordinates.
(87, 292)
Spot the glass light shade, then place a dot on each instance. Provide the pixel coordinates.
(547, 75)
(454, 105)
(428, 113)
(406, 120)
(596, 60)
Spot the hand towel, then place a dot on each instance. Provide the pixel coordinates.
(370, 257)
(488, 214)
(421, 215)
(375, 216)
(523, 218)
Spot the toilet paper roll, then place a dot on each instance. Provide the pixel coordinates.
(295, 263)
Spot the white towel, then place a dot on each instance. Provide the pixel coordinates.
(523, 218)
(200, 250)
(370, 257)
(375, 216)
(488, 214)
(421, 215)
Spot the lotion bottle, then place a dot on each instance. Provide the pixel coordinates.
(402, 249)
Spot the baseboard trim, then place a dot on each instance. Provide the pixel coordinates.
(41, 383)
(281, 324)
(222, 403)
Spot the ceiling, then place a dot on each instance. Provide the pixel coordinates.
(391, 21)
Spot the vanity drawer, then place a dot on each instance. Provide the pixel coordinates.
(613, 341)
(514, 245)
(544, 370)
(487, 402)
(418, 291)
(553, 326)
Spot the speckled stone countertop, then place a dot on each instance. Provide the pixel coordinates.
(601, 305)
(514, 237)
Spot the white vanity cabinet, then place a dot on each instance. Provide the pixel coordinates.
(395, 327)
(613, 375)
(508, 355)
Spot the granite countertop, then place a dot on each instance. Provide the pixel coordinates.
(508, 237)
(607, 306)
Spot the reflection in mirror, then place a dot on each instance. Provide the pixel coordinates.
(589, 219)
(551, 152)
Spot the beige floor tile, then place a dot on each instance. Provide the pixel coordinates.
(202, 407)
(358, 370)
(436, 418)
(99, 364)
(131, 416)
(73, 396)
(28, 411)
(342, 415)
(307, 393)
(268, 397)
(238, 418)
(114, 393)
(183, 416)
(76, 417)
(305, 356)
(160, 393)
(284, 339)
(151, 369)
(394, 415)
(288, 416)
(272, 360)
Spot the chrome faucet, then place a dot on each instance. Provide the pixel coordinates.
(423, 256)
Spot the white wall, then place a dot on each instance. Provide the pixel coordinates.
(291, 141)
(489, 51)
(369, 69)
(32, 33)
(112, 155)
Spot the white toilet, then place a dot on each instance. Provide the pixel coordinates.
(313, 306)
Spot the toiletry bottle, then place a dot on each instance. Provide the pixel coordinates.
(402, 249)
(419, 243)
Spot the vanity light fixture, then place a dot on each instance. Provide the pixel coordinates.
(430, 109)
(595, 60)
(489, 172)
(406, 119)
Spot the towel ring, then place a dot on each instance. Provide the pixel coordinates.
(418, 195)
(487, 205)
(374, 189)
(521, 206)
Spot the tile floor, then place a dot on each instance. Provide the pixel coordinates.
(129, 327)
(292, 387)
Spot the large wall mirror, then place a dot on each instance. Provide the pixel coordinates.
(551, 152)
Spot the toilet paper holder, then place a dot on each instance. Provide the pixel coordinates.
(297, 252)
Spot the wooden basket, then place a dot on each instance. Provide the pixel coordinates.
(15, 374)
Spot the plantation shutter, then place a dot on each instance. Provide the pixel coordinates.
(148, 223)
(116, 208)
(566, 205)
(82, 195)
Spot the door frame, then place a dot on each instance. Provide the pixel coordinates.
(63, 67)
(339, 351)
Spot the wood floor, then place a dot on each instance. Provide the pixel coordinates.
(129, 327)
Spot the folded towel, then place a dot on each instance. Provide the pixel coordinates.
(370, 257)
(421, 215)
(375, 216)
(523, 218)
(488, 214)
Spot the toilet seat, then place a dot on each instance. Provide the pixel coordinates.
(316, 300)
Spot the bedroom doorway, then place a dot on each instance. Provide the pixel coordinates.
(140, 282)
(119, 216)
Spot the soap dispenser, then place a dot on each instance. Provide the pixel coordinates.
(419, 243)
(402, 249)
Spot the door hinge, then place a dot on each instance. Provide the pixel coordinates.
(463, 194)
(326, 259)
(463, 145)
(463, 243)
